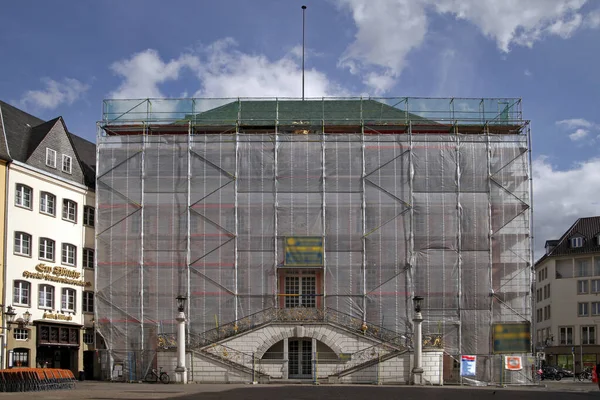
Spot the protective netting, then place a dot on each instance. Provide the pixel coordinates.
(445, 216)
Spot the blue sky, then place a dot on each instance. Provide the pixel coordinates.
(64, 58)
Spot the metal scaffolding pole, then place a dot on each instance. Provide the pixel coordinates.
(142, 212)
(364, 216)
(276, 205)
(188, 217)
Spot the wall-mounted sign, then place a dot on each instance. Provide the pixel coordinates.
(303, 251)
(512, 363)
(59, 317)
(57, 274)
(511, 338)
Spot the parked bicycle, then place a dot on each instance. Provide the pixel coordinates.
(154, 376)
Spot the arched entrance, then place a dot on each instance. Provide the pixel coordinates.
(301, 354)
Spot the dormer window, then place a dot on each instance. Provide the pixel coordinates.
(50, 158)
(66, 164)
(576, 242)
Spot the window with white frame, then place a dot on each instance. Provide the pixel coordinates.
(588, 335)
(46, 297)
(596, 308)
(583, 287)
(583, 309)
(595, 285)
(21, 291)
(66, 164)
(68, 300)
(23, 196)
(69, 254)
(88, 215)
(88, 301)
(47, 203)
(88, 336)
(21, 334)
(69, 210)
(50, 158)
(46, 249)
(88, 258)
(566, 334)
(576, 242)
(22, 244)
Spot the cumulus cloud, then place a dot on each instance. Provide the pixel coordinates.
(581, 126)
(54, 94)
(221, 71)
(143, 72)
(560, 197)
(388, 30)
(579, 134)
(229, 72)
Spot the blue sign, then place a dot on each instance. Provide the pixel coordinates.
(468, 365)
(303, 251)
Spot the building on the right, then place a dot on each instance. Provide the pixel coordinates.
(567, 297)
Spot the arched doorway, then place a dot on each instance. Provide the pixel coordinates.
(301, 354)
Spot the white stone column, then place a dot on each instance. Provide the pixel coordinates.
(417, 371)
(286, 363)
(181, 370)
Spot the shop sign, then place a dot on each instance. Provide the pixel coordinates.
(57, 274)
(59, 317)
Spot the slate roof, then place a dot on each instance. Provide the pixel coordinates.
(334, 112)
(588, 228)
(24, 132)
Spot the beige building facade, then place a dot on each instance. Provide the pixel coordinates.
(567, 297)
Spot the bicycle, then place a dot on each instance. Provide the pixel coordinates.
(154, 376)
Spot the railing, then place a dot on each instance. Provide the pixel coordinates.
(316, 111)
(298, 314)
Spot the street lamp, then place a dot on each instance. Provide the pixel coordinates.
(26, 317)
(181, 371)
(10, 316)
(418, 319)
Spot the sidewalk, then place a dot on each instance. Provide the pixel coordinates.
(118, 390)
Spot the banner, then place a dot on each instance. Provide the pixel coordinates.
(513, 363)
(303, 251)
(467, 365)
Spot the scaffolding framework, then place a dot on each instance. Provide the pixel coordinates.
(410, 195)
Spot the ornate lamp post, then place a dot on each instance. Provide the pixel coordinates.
(417, 370)
(181, 371)
(10, 315)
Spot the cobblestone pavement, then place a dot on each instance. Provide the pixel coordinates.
(111, 390)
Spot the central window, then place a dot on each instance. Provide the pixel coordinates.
(46, 249)
(68, 300)
(300, 288)
(47, 203)
(69, 210)
(46, 297)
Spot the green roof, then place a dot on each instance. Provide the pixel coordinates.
(304, 112)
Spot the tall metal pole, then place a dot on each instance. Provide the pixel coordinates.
(303, 24)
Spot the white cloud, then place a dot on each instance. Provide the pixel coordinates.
(575, 123)
(55, 93)
(528, 73)
(229, 72)
(579, 134)
(388, 30)
(560, 197)
(221, 70)
(520, 22)
(144, 71)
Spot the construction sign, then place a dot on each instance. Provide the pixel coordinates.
(513, 363)
(303, 251)
(511, 338)
(468, 365)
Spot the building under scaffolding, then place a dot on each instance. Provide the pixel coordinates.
(349, 206)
